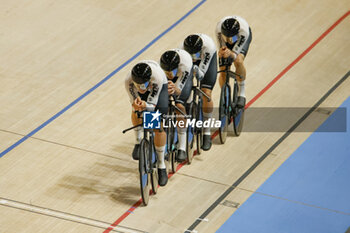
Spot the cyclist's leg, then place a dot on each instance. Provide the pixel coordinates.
(160, 136)
(241, 70)
(239, 61)
(239, 65)
(182, 129)
(159, 143)
(223, 63)
(207, 86)
(138, 131)
(222, 75)
(138, 135)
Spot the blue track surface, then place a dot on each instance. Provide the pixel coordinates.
(310, 192)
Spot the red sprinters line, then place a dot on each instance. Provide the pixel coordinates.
(121, 218)
(279, 76)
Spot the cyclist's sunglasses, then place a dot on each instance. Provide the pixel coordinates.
(173, 72)
(142, 86)
(196, 56)
(230, 40)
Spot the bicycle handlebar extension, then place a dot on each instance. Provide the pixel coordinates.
(128, 129)
(231, 73)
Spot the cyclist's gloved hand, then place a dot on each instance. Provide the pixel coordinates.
(199, 74)
(171, 87)
(225, 61)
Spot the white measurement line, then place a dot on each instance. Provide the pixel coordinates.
(65, 216)
(194, 231)
(203, 219)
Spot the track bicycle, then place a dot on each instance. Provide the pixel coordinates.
(148, 172)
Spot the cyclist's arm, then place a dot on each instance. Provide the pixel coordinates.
(153, 96)
(181, 81)
(177, 91)
(130, 89)
(220, 42)
(242, 39)
(207, 54)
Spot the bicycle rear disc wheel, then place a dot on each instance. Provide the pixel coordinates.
(144, 165)
(238, 120)
(154, 174)
(224, 112)
(173, 162)
(238, 113)
(173, 152)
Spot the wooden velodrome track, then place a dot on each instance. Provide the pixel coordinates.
(74, 173)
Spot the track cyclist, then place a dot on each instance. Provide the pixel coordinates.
(203, 52)
(147, 87)
(234, 37)
(177, 65)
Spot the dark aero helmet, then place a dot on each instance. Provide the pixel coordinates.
(169, 60)
(141, 73)
(230, 27)
(193, 44)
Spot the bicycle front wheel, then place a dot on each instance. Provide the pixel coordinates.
(224, 110)
(144, 167)
(171, 143)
